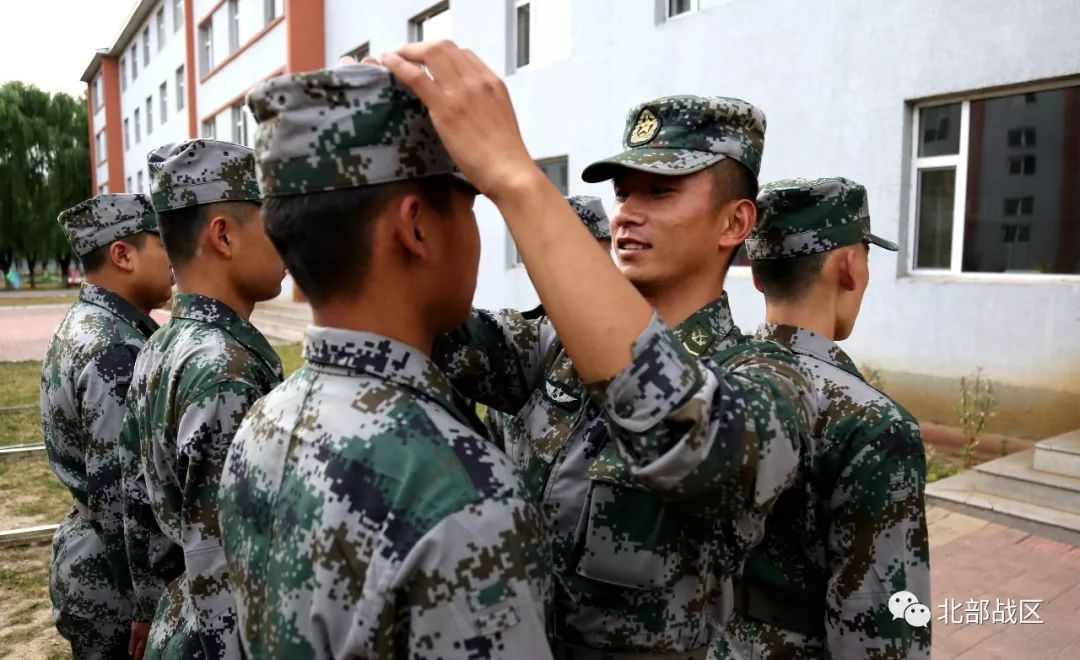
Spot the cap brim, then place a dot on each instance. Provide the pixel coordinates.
(667, 162)
(882, 243)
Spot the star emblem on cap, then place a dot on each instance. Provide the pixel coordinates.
(645, 129)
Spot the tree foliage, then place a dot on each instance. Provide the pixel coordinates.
(44, 169)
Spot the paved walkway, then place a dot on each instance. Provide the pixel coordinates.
(25, 331)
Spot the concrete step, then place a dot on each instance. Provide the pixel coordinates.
(300, 311)
(284, 322)
(960, 494)
(1014, 477)
(1059, 455)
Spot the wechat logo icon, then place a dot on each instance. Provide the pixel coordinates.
(905, 605)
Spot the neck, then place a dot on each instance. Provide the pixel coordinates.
(387, 315)
(118, 285)
(815, 313)
(207, 282)
(675, 304)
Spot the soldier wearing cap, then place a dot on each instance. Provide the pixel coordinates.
(363, 512)
(84, 379)
(852, 531)
(194, 381)
(656, 441)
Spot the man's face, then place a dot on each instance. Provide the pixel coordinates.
(459, 258)
(665, 228)
(259, 266)
(153, 273)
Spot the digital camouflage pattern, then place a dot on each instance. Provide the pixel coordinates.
(365, 515)
(194, 381)
(345, 127)
(653, 484)
(101, 220)
(84, 380)
(591, 211)
(801, 216)
(677, 135)
(850, 533)
(201, 171)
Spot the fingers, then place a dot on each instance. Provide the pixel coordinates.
(413, 77)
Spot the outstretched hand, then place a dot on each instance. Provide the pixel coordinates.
(471, 109)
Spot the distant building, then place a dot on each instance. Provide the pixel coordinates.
(962, 119)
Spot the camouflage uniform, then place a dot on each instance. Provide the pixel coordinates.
(653, 483)
(852, 531)
(364, 515)
(84, 379)
(591, 212)
(194, 381)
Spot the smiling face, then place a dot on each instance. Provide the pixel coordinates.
(667, 230)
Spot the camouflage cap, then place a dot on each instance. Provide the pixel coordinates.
(103, 219)
(677, 135)
(800, 216)
(591, 211)
(350, 126)
(199, 172)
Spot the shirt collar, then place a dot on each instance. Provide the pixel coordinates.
(195, 307)
(807, 342)
(704, 331)
(356, 352)
(118, 306)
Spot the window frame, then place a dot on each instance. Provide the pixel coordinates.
(159, 26)
(181, 84)
(146, 46)
(206, 46)
(163, 102)
(177, 14)
(416, 23)
(149, 114)
(959, 161)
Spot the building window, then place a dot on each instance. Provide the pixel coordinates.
(128, 188)
(96, 88)
(139, 182)
(541, 31)
(180, 88)
(974, 176)
(206, 46)
(163, 100)
(103, 189)
(432, 25)
(209, 128)
(557, 171)
(234, 25)
(146, 45)
(682, 7)
(99, 145)
(149, 114)
(134, 62)
(359, 53)
(159, 20)
(240, 124)
(138, 128)
(123, 74)
(177, 14)
(272, 9)
(127, 139)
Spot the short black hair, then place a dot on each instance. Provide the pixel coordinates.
(95, 259)
(324, 238)
(787, 279)
(732, 180)
(181, 228)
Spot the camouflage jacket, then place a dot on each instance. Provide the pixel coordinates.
(194, 381)
(84, 379)
(850, 533)
(652, 484)
(364, 515)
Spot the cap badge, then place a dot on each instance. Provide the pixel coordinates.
(645, 129)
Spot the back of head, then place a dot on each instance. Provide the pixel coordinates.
(333, 149)
(591, 212)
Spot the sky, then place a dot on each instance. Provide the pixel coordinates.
(49, 42)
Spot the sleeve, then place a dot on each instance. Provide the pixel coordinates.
(496, 357)
(477, 585)
(725, 439)
(877, 546)
(206, 428)
(153, 559)
(104, 386)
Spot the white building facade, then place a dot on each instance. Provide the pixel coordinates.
(961, 118)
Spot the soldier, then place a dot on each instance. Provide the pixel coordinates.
(194, 381)
(364, 515)
(656, 442)
(852, 531)
(84, 379)
(591, 212)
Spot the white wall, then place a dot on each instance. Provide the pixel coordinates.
(835, 80)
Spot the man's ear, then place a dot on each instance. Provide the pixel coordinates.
(219, 234)
(122, 255)
(738, 222)
(845, 265)
(411, 229)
